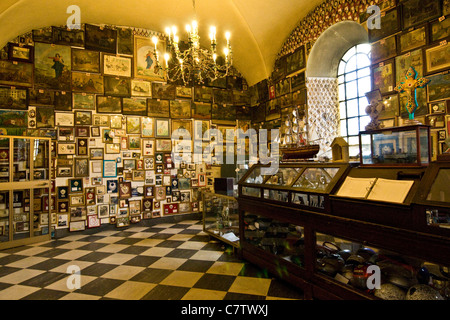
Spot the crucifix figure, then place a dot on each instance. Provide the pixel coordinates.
(410, 86)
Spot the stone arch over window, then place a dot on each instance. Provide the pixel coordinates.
(322, 82)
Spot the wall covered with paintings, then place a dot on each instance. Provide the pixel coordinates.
(110, 114)
(413, 33)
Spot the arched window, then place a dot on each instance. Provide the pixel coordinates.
(354, 81)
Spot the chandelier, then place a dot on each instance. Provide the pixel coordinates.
(192, 64)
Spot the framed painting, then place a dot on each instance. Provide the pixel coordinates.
(437, 58)
(201, 130)
(96, 153)
(43, 35)
(148, 127)
(15, 73)
(383, 77)
(87, 82)
(64, 119)
(63, 101)
(201, 110)
(184, 127)
(106, 104)
(13, 98)
(221, 96)
(68, 37)
(84, 101)
(296, 61)
(391, 107)
(223, 114)
(411, 40)
(141, 88)
(115, 86)
(404, 62)
(439, 87)
(52, 66)
(117, 66)
(23, 53)
(134, 106)
(163, 91)
(125, 41)
(45, 117)
(384, 49)
(440, 30)
(134, 142)
(41, 97)
(85, 60)
(183, 92)
(112, 148)
(158, 108)
(162, 128)
(99, 38)
(83, 118)
(203, 94)
(145, 66)
(390, 24)
(81, 167)
(180, 109)
(163, 145)
(415, 12)
(133, 125)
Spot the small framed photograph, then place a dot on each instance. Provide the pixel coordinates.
(64, 171)
(103, 211)
(83, 118)
(109, 104)
(134, 106)
(164, 145)
(129, 164)
(93, 221)
(96, 166)
(134, 207)
(440, 106)
(100, 120)
(116, 122)
(96, 153)
(66, 148)
(76, 200)
(66, 134)
(148, 127)
(82, 146)
(114, 65)
(148, 147)
(162, 127)
(77, 226)
(18, 52)
(95, 132)
(82, 131)
(134, 125)
(138, 175)
(134, 142)
(149, 191)
(112, 148)
(81, 167)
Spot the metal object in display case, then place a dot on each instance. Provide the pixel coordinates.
(221, 217)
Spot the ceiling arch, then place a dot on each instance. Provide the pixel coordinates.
(258, 28)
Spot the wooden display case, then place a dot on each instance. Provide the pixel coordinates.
(26, 201)
(289, 239)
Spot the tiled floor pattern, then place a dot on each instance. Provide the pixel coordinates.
(163, 262)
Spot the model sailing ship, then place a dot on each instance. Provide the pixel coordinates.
(293, 139)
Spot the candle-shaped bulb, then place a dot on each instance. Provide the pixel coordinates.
(155, 41)
(227, 36)
(214, 57)
(188, 28)
(194, 26)
(212, 33)
(166, 58)
(174, 30)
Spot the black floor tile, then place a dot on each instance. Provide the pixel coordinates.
(4, 271)
(161, 236)
(170, 244)
(97, 269)
(151, 275)
(95, 256)
(49, 264)
(52, 253)
(10, 259)
(100, 286)
(215, 282)
(134, 249)
(196, 266)
(181, 253)
(128, 241)
(45, 294)
(93, 246)
(141, 261)
(45, 279)
(161, 292)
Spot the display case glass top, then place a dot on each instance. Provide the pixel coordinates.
(399, 146)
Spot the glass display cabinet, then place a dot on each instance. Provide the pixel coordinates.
(306, 185)
(404, 146)
(432, 203)
(25, 190)
(221, 217)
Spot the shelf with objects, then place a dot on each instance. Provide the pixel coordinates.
(26, 200)
(221, 217)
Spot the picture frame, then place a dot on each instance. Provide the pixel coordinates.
(117, 86)
(203, 94)
(410, 40)
(201, 130)
(163, 91)
(112, 148)
(184, 127)
(437, 58)
(383, 76)
(116, 122)
(222, 96)
(19, 52)
(13, 98)
(103, 211)
(125, 190)
(63, 101)
(66, 148)
(439, 30)
(109, 168)
(141, 88)
(87, 82)
(180, 109)
(96, 167)
(201, 110)
(90, 196)
(138, 175)
(134, 207)
(223, 114)
(64, 119)
(111, 186)
(405, 61)
(85, 101)
(14, 73)
(82, 146)
(134, 106)
(98, 38)
(125, 41)
(68, 37)
(435, 120)
(296, 61)
(183, 92)
(85, 60)
(144, 59)
(440, 106)
(416, 12)
(439, 87)
(390, 22)
(133, 125)
(76, 185)
(77, 226)
(95, 132)
(53, 66)
(134, 142)
(45, 117)
(81, 167)
(114, 65)
(147, 127)
(391, 107)
(163, 145)
(100, 120)
(148, 147)
(83, 118)
(158, 108)
(109, 104)
(38, 97)
(93, 221)
(162, 128)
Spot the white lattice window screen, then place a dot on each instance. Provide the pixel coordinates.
(323, 112)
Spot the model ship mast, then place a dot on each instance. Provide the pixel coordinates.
(294, 144)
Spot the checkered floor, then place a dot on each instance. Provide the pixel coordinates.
(163, 262)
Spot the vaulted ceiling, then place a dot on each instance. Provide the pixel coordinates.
(258, 27)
